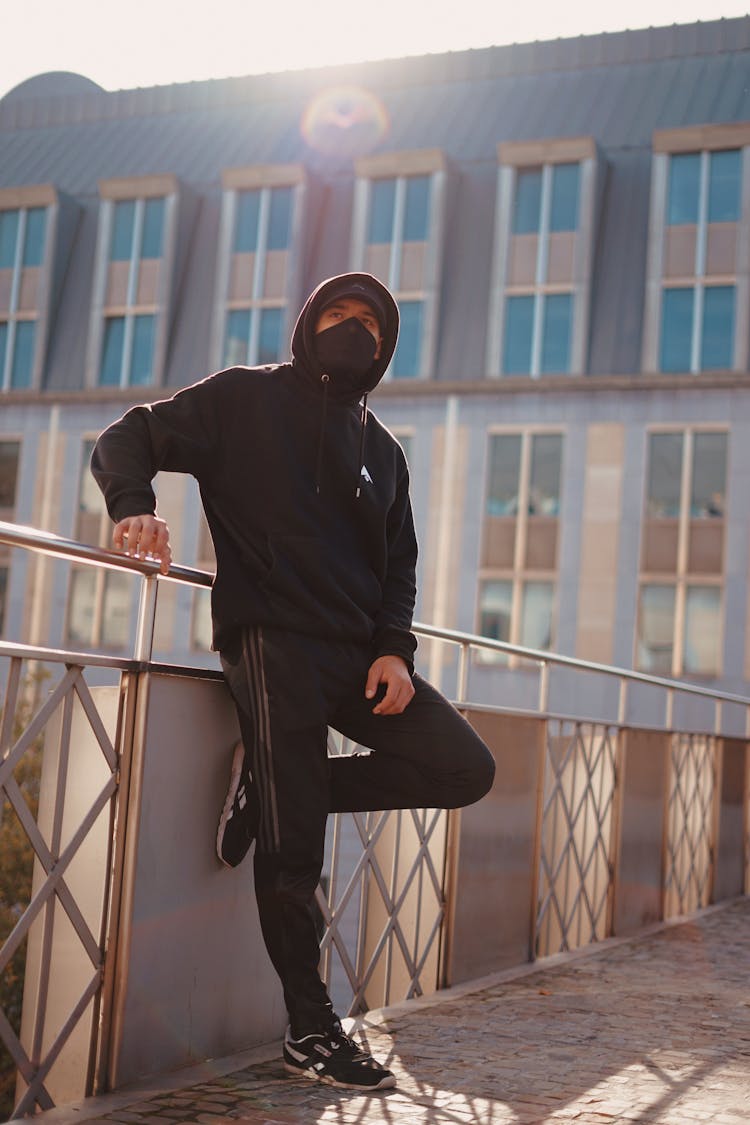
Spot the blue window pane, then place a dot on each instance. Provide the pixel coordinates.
(8, 236)
(519, 327)
(142, 362)
(269, 337)
(725, 173)
(676, 329)
(23, 354)
(33, 246)
(701, 655)
(406, 359)
(382, 201)
(153, 228)
(564, 209)
(544, 486)
(717, 340)
(528, 201)
(656, 629)
(246, 225)
(122, 231)
(684, 188)
(280, 219)
(709, 476)
(504, 475)
(417, 208)
(495, 607)
(3, 347)
(237, 338)
(664, 475)
(558, 315)
(536, 615)
(111, 366)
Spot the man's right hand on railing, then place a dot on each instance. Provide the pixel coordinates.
(144, 537)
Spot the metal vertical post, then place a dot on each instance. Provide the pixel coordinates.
(144, 638)
(543, 686)
(622, 703)
(463, 673)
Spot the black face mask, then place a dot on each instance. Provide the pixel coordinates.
(346, 352)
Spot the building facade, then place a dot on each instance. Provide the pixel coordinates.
(566, 227)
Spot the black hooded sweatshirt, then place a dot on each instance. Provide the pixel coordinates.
(312, 529)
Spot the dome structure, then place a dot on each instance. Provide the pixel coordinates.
(53, 84)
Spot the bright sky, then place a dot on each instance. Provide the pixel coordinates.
(155, 42)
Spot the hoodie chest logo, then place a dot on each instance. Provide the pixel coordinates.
(365, 474)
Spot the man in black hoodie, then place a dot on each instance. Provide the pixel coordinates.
(306, 495)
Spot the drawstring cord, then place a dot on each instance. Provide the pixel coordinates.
(325, 380)
(361, 449)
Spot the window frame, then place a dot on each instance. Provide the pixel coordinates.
(704, 141)
(401, 167)
(264, 178)
(520, 575)
(513, 159)
(140, 191)
(101, 575)
(681, 579)
(23, 200)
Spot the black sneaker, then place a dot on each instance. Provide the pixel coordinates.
(332, 1057)
(238, 823)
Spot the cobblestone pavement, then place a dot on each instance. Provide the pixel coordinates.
(655, 1029)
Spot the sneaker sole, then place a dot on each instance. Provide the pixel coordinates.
(386, 1083)
(238, 756)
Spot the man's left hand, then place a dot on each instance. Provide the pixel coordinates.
(391, 671)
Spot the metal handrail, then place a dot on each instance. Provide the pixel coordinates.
(16, 535)
(47, 543)
(580, 783)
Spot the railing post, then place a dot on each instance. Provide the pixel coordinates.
(543, 687)
(622, 703)
(669, 710)
(463, 673)
(144, 638)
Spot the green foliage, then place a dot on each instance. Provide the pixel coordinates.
(16, 869)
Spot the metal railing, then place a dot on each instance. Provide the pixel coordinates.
(386, 904)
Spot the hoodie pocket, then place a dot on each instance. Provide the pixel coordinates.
(298, 571)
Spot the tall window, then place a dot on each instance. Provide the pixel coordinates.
(99, 601)
(9, 456)
(543, 241)
(259, 261)
(698, 301)
(397, 237)
(133, 294)
(538, 318)
(520, 538)
(682, 554)
(134, 261)
(697, 289)
(23, 233)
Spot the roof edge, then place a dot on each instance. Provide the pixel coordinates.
(581, 52)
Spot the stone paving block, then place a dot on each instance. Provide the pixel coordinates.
(653, 1030)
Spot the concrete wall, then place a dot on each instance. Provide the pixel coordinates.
(191, 977)
(495, 876)
(194, 980)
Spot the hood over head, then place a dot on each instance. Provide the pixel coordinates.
(364, 287)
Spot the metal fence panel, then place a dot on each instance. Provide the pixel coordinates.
(576, 844)
(57, 829)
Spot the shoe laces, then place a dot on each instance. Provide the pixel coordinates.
(339, 1039)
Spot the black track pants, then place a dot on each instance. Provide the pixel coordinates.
(288, 689)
